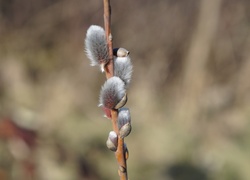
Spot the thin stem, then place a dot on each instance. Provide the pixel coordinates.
(107, 24)
(109, 70)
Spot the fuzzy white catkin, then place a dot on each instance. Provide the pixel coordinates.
(96, 46)
(112, 92)
(123, 69)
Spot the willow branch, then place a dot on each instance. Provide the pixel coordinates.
(109, 70)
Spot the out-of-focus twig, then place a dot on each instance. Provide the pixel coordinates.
(197, 57)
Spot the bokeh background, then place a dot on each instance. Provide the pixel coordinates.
(189, 97)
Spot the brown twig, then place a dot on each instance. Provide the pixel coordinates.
(109, 70)
(107, 24)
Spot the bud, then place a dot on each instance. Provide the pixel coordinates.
(125, 148)
(113, 95)
(121, 170)
(112, 141)
(96, 46)
(124, 122)
(123, 66)
(120, 52)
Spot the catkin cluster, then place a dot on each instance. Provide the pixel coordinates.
(113, 93)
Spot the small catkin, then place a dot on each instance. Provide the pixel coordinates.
(124, 122)
(112, 141)
(124, 117)
(123, 66)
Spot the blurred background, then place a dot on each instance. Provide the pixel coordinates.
(189, 97)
